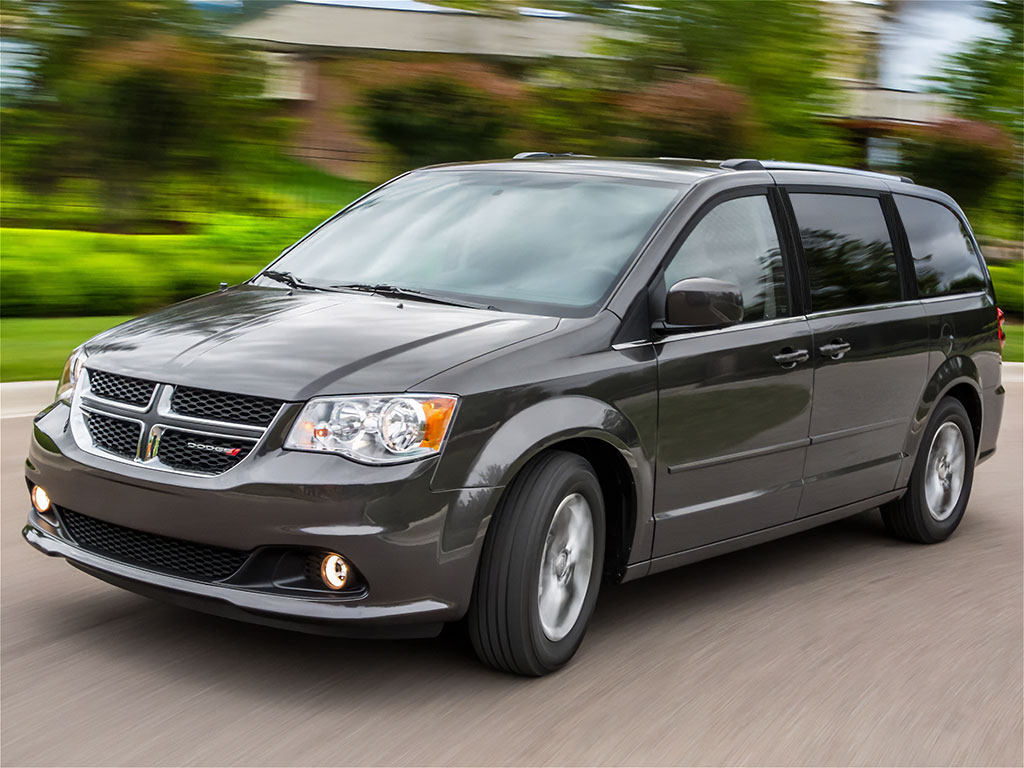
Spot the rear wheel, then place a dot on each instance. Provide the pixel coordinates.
(940, 484)
(541, 567)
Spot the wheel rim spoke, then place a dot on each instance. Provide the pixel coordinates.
(565, 567)
(945, 470)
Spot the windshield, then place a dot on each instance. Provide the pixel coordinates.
(535, 242)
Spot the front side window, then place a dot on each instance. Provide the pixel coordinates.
(944, 258)
(539, 242)
(850, 259)
(737, 242)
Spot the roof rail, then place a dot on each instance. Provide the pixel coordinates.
(526, 155)
(741, 164)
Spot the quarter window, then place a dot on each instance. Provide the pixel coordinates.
(850, 260)
(944, 257)
(737, 242)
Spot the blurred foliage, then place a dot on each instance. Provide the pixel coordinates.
(53, 272)
(695, 117)
(964, 157)
(1013, 352)
(132, 98)
(1001, 215)
(774, 52)
(985, 81)
(140, 116)
(1008, 280)
(435, 120)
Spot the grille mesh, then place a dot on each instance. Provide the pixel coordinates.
(187, 558)
(122, 389)
(113, 435)
(174, 451)
(224, 406)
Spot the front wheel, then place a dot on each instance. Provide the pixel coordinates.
(541, 567)
(940, 484)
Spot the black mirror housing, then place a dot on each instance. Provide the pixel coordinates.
(703, 303)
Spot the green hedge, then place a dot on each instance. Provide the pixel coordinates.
(1008, 279)
(55, 273)
(51, 273)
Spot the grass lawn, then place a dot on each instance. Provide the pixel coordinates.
(35, 348)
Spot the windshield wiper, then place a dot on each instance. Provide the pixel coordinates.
(291, 280)
(409, 293)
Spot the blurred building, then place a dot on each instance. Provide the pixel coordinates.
(323, 52)
(872, 113)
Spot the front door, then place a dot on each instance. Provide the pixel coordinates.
(870, 347)
(735, 403)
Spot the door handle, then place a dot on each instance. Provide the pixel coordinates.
(791, 358)
(835, 349)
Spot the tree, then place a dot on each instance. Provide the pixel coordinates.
(435, 119)
(774, 52)
(690, 117)
(986, 80)
(965, 158)
(130, 95)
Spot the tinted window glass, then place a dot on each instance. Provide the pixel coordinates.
(736, 241)
(549, 242)
(944, 257)
(850, 261)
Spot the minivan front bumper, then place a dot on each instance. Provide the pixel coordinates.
(419, 618)
(415, 549)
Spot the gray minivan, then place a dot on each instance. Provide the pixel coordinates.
(483, 389)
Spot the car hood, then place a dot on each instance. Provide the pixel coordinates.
(292, 345)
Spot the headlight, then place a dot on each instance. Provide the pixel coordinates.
(70, 376)
(376, 429)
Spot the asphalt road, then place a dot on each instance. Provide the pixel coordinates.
(836, 646)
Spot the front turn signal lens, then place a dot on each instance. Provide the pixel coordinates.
(438, 412)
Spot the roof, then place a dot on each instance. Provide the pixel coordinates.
(413, 26)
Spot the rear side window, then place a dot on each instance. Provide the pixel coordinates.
(944, 258)
(850, 260)
(736, 241)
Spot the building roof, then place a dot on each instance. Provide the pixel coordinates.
(414, 26)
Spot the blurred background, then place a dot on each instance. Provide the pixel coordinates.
(153, 148)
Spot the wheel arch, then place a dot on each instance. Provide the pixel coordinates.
(957, 377)
(598, 432)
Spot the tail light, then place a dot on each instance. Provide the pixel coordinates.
(1002, 334)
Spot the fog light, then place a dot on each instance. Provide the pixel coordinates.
(334, 571)
(40, 499)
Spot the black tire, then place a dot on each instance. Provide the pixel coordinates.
(504, 619)
(909, 517)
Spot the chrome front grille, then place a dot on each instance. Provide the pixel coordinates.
(117, 436)
(122, 389)
(197, 452)
(173, 429)
(224, 406)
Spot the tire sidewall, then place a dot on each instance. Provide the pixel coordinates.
(553, 654)
(947, 411)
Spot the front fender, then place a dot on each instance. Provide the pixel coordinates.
(540, 425)
(522, 436)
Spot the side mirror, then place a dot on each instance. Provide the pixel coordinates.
(703, 302)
